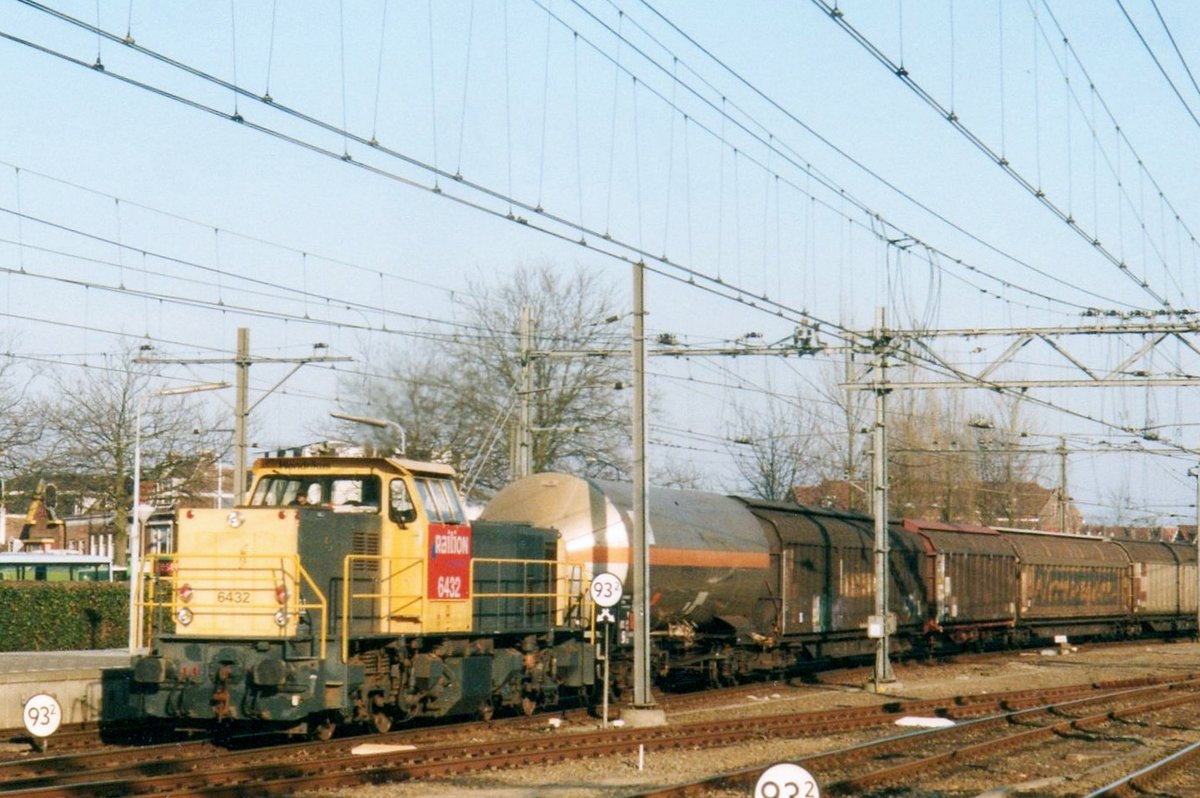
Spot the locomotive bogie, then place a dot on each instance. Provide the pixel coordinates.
(222, 680)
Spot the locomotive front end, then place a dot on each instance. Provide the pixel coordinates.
(239, 627)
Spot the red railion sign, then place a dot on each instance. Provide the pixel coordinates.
(449, 562)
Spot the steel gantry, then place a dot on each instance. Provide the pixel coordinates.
(885, 348)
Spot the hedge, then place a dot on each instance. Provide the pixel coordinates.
(63, 616)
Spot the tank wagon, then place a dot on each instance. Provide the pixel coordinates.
(742, 586)
(353, 589)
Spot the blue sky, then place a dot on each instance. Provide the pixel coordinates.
(143, 215)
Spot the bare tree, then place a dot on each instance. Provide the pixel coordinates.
(776, 449)
(843, 414)
(458, 399)
(674, 473)
(20, 424)
(952, 463)
(91, 434)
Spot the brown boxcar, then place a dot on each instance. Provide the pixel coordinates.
(971, 574)
(1154, 577)
(1070, 583)
(1162, 584)
(1188, 586)
(826, 559)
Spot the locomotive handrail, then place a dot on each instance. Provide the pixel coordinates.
(405, 601)
(164, 571)
(560, 593)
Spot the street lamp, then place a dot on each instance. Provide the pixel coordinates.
(135, 522)
(376, 422)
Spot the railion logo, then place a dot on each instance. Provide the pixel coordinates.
(451, 543)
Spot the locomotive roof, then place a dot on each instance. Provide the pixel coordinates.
(332, 462)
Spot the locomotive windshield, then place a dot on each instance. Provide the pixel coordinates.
(334, 491)
(440, 500)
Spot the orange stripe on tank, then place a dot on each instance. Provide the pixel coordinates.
(695, 558)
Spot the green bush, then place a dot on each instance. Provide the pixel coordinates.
(63, 616)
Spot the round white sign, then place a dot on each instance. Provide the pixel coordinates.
(606, 590)
(786, 780)
(42, 715)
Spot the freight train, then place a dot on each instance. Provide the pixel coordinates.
(742, 585)
(354, 590)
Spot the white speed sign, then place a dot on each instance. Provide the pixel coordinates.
(606, 590)
(786, 780)
(42, 715)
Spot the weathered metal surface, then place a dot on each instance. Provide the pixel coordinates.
(971, 571)
(1070, 576)
(829, 571)
(1186, 552)
(1155, 577)
(709, 557)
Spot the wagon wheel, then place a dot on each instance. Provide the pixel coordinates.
(381, 721)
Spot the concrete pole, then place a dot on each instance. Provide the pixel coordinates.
(241, 413)
(1062, 484)
(883, 665)
(641, 549)
(134, 542)
(523, 454)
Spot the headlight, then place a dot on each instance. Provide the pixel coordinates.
(184, 616)
(281, 617)
(235, 519)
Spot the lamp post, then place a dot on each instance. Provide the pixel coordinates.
(381, 423)
(135, 523)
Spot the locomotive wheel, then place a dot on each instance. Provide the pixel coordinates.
(487, 711)
(324, 729)
(528, 705)
(381, 721)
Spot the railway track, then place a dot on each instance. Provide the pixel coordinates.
(89, 736)
(202, 770)
(1169, 775)
(996, 751)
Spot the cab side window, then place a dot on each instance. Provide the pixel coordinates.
(401, 508)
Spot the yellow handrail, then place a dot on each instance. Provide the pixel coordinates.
(381, 583)
(163, 575)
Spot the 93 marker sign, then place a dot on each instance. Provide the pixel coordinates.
(786, 780)
(607, 590)
(42, 715)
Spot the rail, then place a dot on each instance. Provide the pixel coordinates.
(235, 594)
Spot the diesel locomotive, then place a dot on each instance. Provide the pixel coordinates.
(354, 590)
